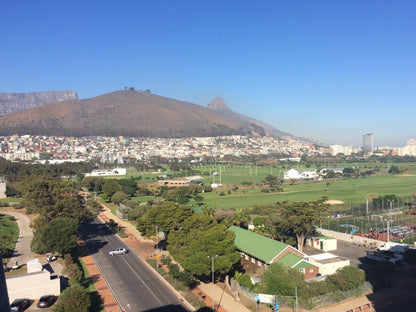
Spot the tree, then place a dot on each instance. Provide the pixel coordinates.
(200, 238)
(280, 280)
(155, 189)
(167, 216)
(299, 218)
(73, 299)
(110, 186)
(60, 235)
(394, 169)
(118, 197)
(128, 186)
(51, 198)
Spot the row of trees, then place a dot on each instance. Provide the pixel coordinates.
(59, 211)
(193, 239)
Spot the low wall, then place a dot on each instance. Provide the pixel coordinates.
(352, 238)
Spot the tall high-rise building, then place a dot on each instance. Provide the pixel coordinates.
(368, 142)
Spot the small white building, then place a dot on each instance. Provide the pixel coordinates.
(323, 243)
(328, 263)
(36, 283)
(291, 174)
(2, 187)
(107, 172)
(294, 174)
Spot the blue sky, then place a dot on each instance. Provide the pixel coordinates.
(328, 70)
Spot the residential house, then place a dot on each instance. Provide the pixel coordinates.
(260, 251)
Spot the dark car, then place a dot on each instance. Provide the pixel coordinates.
(46, 301)
(20, 305)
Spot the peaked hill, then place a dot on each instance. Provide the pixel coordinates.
(218, 105)
(126, 113)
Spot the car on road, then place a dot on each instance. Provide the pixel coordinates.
(20, 305)
(46, 301)
(118, 251)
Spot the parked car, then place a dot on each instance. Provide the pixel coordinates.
(20, 305)
(118, 251)
(46, 301)
(50, 257)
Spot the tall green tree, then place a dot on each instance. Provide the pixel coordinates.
(73, 299)
(110, 187)
(167, 216)
(52, 198)
(299, 218)
(60, 235)
(201, 239)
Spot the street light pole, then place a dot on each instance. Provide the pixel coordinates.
(296, 295)
(213, 286)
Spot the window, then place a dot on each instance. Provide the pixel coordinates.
(302, 270)
(253, 260)
(246, 256)
(310, 270)
(259, 263)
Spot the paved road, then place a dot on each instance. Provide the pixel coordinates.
(22, 252)
(133, 285)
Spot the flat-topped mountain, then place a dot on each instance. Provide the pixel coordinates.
(15, 102)
(126, 113)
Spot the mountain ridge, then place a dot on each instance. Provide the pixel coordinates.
(219, 105)
(124, 112)
(14, 102)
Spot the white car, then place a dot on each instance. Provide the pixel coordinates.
(118, 251)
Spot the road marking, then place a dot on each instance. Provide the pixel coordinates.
(154, 295)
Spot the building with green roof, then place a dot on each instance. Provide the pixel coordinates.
(262, 251)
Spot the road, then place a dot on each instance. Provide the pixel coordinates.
(22, 252)
(134, 286)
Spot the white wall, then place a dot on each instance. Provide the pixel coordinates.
(32, 285)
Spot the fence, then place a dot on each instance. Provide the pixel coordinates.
(315, 302)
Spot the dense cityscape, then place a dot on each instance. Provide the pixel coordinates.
(118, 149)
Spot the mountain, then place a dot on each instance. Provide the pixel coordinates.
(15, 102)
(218, 105)
(125, 113)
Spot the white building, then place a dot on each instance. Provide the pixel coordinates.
(2, 187)
(107, 172)
(294, 174)
(328, 263)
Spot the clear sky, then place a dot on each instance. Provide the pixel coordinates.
(327, 70)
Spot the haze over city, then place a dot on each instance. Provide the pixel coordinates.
(326, 70)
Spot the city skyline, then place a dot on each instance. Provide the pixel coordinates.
(326, 70)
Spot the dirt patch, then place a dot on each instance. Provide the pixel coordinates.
(407, 175)
(334, 202)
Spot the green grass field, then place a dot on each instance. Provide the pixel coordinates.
(9, 233)
(347, 191)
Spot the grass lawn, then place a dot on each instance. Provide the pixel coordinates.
(11, 200)
(348, 191)
(9, 233)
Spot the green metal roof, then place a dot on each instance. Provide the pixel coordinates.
(289, 260)
(303, 264)
(256, 245)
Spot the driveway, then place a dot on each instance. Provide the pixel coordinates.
(22, 252)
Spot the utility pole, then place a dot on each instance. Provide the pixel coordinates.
(213, 285)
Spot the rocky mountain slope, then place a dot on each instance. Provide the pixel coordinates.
(15, 102)
(219, 106)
